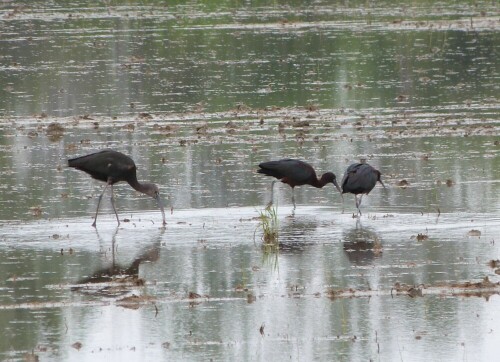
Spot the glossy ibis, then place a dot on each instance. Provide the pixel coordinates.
(295, 173)
(360, 179)
(112, 167)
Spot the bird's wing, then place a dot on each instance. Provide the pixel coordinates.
(104, 164)
(295, 171)
(359, 178)
(349, 174)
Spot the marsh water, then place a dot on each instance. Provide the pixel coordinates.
(198, 94)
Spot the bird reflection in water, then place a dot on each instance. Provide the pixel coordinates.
(296, 234)
(361, 245)
(116, 280)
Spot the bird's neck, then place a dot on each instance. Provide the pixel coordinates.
(136, 185)
(319, 183)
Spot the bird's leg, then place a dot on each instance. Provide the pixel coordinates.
(98, 204)
(293, 198)
(113, 204)
(358, 203)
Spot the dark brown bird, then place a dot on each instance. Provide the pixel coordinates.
(295, 173)
(111, 167)
(360, 179)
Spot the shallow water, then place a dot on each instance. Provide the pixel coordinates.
(54, 293)
(198, 97)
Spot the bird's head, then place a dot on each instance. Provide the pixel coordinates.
(379, 179)
(153, 191)
(330, 177)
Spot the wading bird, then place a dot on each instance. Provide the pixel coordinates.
(295, 173)
(360, 179)
(112, 167)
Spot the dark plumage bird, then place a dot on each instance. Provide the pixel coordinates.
(295, 173)
(360, 179)
(112, 167)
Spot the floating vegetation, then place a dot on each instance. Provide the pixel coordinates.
(269, 224)
(420, 237)
(77, 345)
(55, 131)
(36, 211)
(134, 301)
(484, 288)
(494, 263)
(402, 183)
(474, 232)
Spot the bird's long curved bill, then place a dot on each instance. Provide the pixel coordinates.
(338, 188)
(160, 205)
(382, 183)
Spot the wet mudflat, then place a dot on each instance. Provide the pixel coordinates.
(198, 96)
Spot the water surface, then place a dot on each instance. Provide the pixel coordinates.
(198, 95)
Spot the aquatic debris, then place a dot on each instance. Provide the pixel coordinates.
(54, 131)
(474, 232)
(494, 263)
(341, 293)
(193, 295)
(231, 124)
(251, 298)
(130, 127)
(403, 184)
(261, 329)
(135, 301)
(168, 128)
(421, 237)
(297, 123)
(377, 248)
(30, 357)
(195, 299)
(484, 288)
(410, 290)
(240, 288)
(166, 345)
(87, 117)
(36, 211)
(41, 115)
(77, 345)
(145, 115)
(202, 129)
